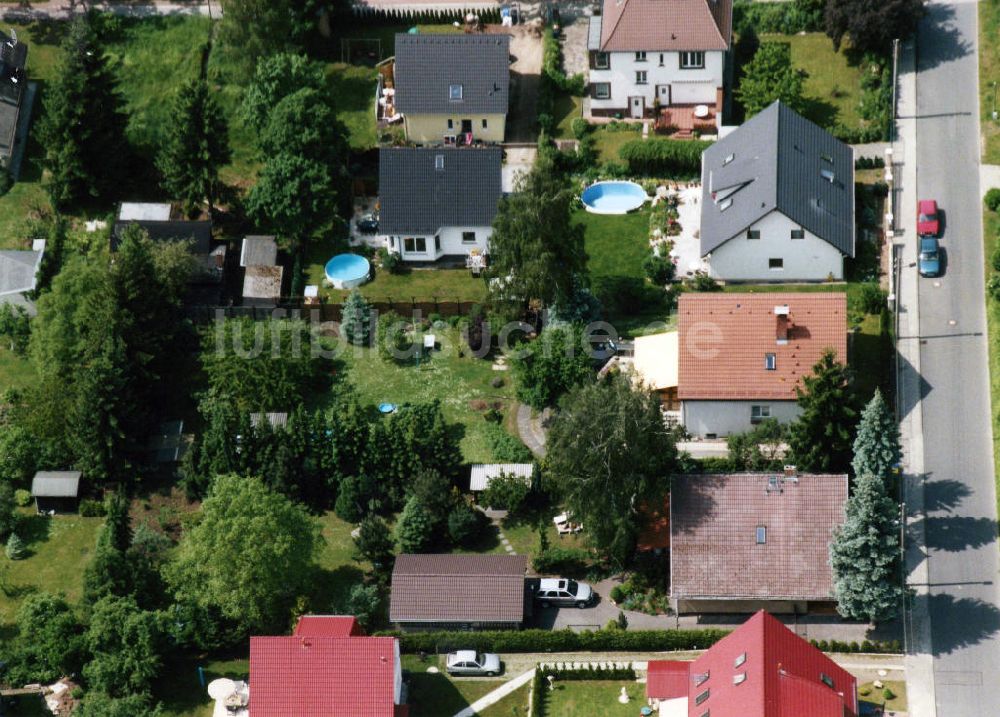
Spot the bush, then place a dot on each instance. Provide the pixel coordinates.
(465, 525)
(701, 281)
(581, 128)
(390, 261)
(506, 492)
(992, 199)
(606, 672)
(995, 258)
(6, 182)
(622, 294)
(869, 163)
(561, 561)
(617, 594)
(663, 157)
(784, 18)
(888, 694)
(872, 298)
(659, 269)
(507, 448)
(993, 287)
(22, 497)
(92, 508)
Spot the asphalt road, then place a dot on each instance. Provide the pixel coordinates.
(961, 527)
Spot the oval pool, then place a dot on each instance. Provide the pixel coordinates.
(613, 197)
(345, 271)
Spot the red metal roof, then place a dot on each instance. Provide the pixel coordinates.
(725, 340)
(784, 676)
(317, 676)
(328, 626)
(667, 679)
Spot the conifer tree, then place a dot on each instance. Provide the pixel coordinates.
(876, 447)
(820, 439)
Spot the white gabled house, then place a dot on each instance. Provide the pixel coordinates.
(778, 201)
(437, 204)
(648, 56)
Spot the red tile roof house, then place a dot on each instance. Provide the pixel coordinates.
(327, 668)
(750, 541)
(761, 669)
(654, 58)
(458, 592)
(743, 355)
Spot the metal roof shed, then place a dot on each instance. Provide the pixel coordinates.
(56, 491)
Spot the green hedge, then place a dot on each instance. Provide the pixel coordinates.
(516, 641)
(580, 674)
(663, 157)
(537, 706)
(552, 68)
(572, 562)
(786, 18)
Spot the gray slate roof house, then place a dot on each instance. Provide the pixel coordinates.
(458, 591)
(13, 58)
(18, 274)
(779, 161)
(427, 65)
(56, 490)
(424, 189)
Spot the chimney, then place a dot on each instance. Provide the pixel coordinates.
(792, 474)
(781, 328)
(306, 642)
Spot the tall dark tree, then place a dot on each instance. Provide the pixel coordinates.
(876, 447)
(820, 440)
(83, 126)
(48, 645)
(374, 543)
(295, 196)
(276, 77)
(197, 144)
(611, 455)
(536, 249)
(872, 26)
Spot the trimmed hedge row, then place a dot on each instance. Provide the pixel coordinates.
(580, 674)
(515, 641)
(663, 157)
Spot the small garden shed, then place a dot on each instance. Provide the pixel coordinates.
(56, 491)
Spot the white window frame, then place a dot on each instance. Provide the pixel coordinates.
(641, 77)
(416, 243)
(770, 362)
(692, 60)
(598, 95)
(759, 412)
(640, 55)
(602, 61)
(455, 93)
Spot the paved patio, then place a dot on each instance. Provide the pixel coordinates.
(687, 245)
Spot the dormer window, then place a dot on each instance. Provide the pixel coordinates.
(827, 158)
(761, 535)
(728, 159)
(739, 678)
(826, 679)
(740, 659)
(827, 174)
(454, 92)
(725, 204)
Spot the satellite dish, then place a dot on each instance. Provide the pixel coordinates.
(221, 688)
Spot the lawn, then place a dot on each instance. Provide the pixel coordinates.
(608, 139)
(461, 383)
(353, 86)
(513, 705)
(832, 87)
(597, 698)
(989, 71)
(15, 372)
(181, 692)
(616, 244)
(991, 233)
(566, 108)
(59, 549)
(437, 694)
(868, 693)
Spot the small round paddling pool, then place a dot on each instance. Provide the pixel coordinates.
(613, 197)
(345, 271)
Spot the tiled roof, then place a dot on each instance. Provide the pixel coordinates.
(328, 626)
(307, 676)
(427, 65)
(416, 197)
(714, 548)
(482, 473)
(782, 675)
(725, 337)
(458, 588)
(676, 25)
(779, 161)
(667, 679)
(56, 484)
(262, 282)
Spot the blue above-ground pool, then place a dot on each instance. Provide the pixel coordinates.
(345, 271)
(613, 197)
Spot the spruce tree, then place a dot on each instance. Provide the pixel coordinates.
(876, 447)
(865, 555)
(196, 146)
(16, 549)
(83, 127)
(820, 439)
(374, 543)
(355, 320)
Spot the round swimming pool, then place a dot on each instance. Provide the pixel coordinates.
(345, 271)
(613, 197)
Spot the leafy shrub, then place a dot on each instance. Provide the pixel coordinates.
(390, 261)
(561, 561)
(993, 287)
(621, 294)
(659, 269)
(466, 525)
(995, 258)
(872, 298)
(784, 18)
(869, 163)
(608, 672)
(663, 157)
(506, 492)
(581, 128)
(92, 508)
(22, 497)
(392, 340)
(701, 281)
(888, 694)
(617, 594)
(507, 448)
(992, 199)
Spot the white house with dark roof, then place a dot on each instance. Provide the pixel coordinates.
(452, 89)
(647, 56)
(438, 203)
(778, 201)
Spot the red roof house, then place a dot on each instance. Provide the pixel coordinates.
(761, 669)
(326, 669)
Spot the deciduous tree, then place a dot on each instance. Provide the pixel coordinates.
(295, 196)
(770, 77)
(125, 645)
(276, 77)
(48, 644)
(872, 26)
(251, 30)
(550, 366)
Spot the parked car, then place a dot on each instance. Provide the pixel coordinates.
(929, 263)
(368, 224)
(928, 223)
(470, 662)
(560, 591)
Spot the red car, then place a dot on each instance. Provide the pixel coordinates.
(927, 218)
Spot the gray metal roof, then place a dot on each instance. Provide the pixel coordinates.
(258, 251)
(594, 33)
(483, 473)
(277, 420)
(779, 161)
(56, 484)
(427, 65)
(19, 268)
(417, 198)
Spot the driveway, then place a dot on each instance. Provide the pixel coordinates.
(525, 77)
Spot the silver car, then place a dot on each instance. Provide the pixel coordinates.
(559, 591)
(470, 662)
